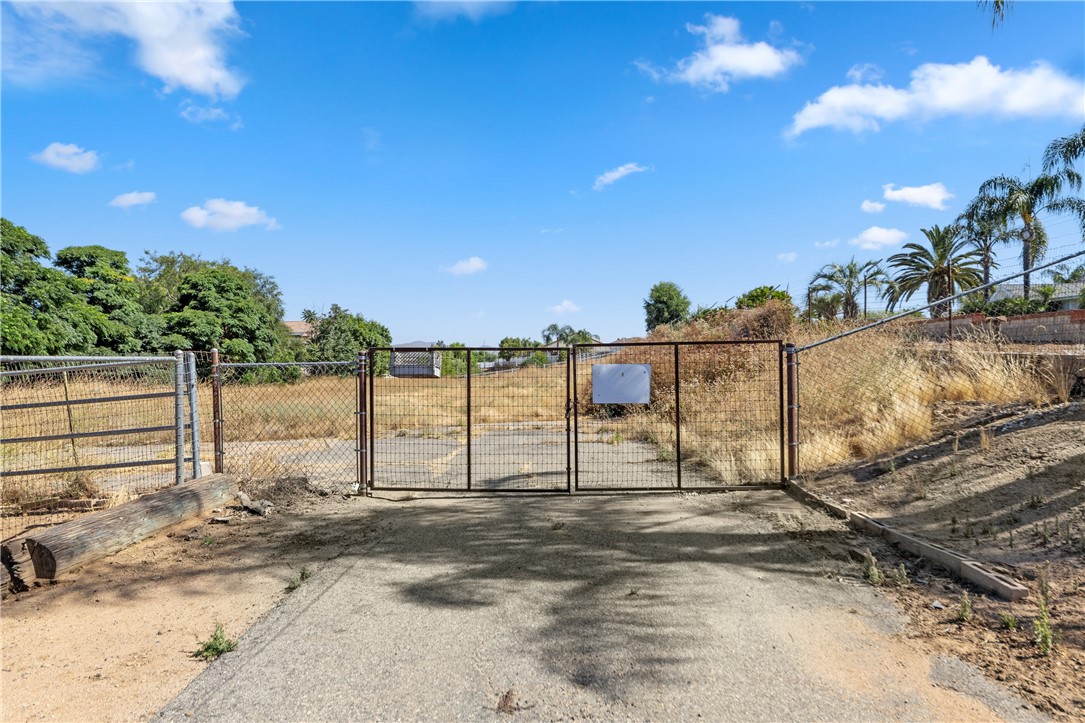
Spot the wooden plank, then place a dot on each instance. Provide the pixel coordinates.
(95, 535)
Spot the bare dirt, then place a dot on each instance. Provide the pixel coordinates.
(115, 639)
(1010, 493)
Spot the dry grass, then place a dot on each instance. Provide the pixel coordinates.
(861, 397)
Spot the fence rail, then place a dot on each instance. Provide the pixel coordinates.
(91, 428)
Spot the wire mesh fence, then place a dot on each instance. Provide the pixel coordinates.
(865, 395)
(709, 415)
(287, 421)
(84, 432)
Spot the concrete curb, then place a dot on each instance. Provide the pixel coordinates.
(960, 565)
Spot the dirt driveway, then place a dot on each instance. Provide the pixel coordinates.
(663, 607)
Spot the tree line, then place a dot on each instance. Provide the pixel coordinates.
(961, 255)
(953, 259)
(88, 300)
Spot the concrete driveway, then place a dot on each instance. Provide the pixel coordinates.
(590, 607)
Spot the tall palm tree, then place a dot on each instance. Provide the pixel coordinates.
(1063, 154)
(850, 280)
(1004, 198)
(946, 266)
(984, 230)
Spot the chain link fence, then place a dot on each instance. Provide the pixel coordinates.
(866, 393)
(289, 421)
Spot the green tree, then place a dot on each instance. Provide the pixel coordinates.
(985, 230)
(515, 342)
(1004, 198)
(1062, 156)
(103, 276)
(825, 306)
(850, 280)
(41, 311)
(946, 266)
(159, 277)
(1066, 274)
(217, 307)
(341, 336)
(758, 296)
(666, 304)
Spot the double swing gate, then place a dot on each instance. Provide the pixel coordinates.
(592, 417)
(634, 416)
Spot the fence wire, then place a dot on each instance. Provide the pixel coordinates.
(290, 421)
(713, 418)
(866, 396)
(83, 433)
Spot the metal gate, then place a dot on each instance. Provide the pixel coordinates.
(635, 416)
(299, 421)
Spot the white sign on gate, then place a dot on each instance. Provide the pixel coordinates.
(621, 383)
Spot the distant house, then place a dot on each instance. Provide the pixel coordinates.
(1067, 296)
(414, 359)
(300, 329)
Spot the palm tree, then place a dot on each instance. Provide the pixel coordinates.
(849, 280)
(1005, 197)
(998, 10)
(984, 230)
(1063, 154)
(1065, 274)
(826, 306)
(946, 266)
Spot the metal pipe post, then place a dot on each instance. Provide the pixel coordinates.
(468, 419)
(179, 414)
(216, 410)
(363, 441)
(194, 414)
(792, 410)
(677, 418)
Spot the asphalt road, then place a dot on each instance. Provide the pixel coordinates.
(638, 607)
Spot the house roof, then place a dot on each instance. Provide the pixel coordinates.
(1063, 292)
(413, 345)
(299, 328)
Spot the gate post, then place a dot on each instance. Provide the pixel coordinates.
(677, 417)
(468, 420)
(193, 413)
(360, 437)
(179, 415)
(792, 355)
(216, 409)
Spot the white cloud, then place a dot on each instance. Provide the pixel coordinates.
(616, 174)
(876, 237)
(194, 113)
(933, 195)
(872, 206)
(725, 56)
(865, 73)
(649, 99)
(135, 198)
(219, 214)
(183, 44)
(937, 90)
(826, 244)
(545, 231)
(565, 307)
(452, 9)
(788, 257)
(470, 265)
(67, 157)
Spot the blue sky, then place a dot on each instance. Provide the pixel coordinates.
(466, 171)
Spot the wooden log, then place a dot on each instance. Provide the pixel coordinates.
(18, 571)
(97, 534)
